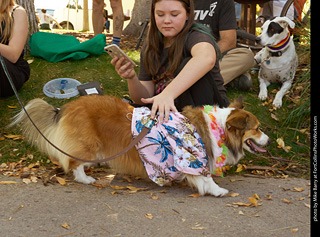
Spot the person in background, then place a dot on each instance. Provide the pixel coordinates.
(273, 8)
(106, 20)
(179, 63)
(45, 20)
(118, 18)
(220, 16)
(13, 36)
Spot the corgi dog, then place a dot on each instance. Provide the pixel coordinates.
(94, 127)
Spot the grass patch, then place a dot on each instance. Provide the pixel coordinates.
(291, 122)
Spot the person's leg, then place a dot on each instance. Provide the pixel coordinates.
(18, 75)
(118, 19)
(267, 10)
(235, 64)
(203, 92)
(97, 16)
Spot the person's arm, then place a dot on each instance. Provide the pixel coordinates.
(202, 61)
(52, 19)
(137, 89)
(13, 50)
(228, 40)
(227, 25)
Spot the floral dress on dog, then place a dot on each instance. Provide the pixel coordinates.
(169, 149)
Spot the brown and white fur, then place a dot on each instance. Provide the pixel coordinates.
(94, 127)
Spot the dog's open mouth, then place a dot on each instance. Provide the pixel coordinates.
(253, 147)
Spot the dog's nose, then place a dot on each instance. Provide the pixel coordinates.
(269, 142)
(258, 39)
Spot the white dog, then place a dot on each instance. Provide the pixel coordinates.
(278, 59)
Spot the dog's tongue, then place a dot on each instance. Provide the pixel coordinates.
(259, 149)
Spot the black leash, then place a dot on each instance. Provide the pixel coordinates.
(142, 134)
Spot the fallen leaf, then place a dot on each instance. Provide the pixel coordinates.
(287, 148)
(154, 197)
(34, 179)
(240, 213)
(8, 182)
(15, 137)
(149, 216)
(240, 168)
(280, 142)
(30, 61)
(269, 197)
(194, 195)
(128, 179)
(286, 201)
(274, 117)
(12, 106)
(101, 183)
(282, 145)
(117, 187)
(26, 181)
(135, 189)
(256, 196)
(307, 205)
(241, 204)
(298, 189)
(253, 201)
(61, 181)
(234, 194)
(294, 230)
(66, 226)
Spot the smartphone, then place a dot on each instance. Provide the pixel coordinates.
(114, 51)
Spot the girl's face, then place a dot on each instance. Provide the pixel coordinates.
(170, 17)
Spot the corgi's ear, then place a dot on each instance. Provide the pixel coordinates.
(284, 22)
(238, 103)
(237, 120)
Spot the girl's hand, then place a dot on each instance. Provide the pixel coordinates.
(125, 70)
(162, 104)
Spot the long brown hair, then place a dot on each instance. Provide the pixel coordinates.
(154, 44)
(6, 20)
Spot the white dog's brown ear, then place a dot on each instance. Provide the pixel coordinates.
(238, 103)
(285, 21)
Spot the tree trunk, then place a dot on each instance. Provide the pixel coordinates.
(140, 12)
(32, 20)
(85, 16)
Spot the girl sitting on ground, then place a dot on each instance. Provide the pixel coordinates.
(13, 36)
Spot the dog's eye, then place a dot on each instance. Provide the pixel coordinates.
(257, 129)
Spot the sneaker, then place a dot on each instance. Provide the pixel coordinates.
(243, 82)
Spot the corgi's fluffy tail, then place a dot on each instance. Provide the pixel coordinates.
(46, 117)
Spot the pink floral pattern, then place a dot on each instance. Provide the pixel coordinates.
(169, 149)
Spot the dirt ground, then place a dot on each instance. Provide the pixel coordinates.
(130, 207)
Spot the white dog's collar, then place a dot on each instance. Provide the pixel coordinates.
(277, 49)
